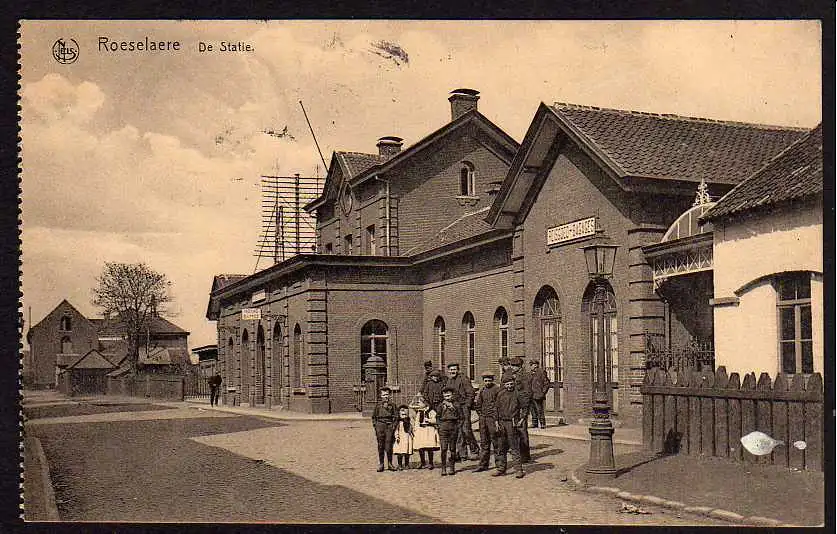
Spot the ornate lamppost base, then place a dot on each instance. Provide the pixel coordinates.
(601, 464)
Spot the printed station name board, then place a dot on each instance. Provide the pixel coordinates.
(251, 314)
(570, 231)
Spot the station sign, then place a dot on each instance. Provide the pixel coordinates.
(251, 314)
(570, 231)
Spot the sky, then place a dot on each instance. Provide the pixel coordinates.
(156, 157)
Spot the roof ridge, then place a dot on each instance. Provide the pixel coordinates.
(673, 116)
(359, 153)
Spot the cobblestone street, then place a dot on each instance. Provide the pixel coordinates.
(190, 464)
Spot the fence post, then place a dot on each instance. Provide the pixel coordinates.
(721, 428)
(681, 403)
(796, 422)
(694, 414)
(707, 415)
(659, 419)
(814, 423)
(648, 412)
(734, 420)
(748, 414)
(764, 415)
(780, 422)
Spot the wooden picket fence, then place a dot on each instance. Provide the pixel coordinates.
(706, 413)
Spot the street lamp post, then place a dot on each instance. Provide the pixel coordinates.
(600, 256)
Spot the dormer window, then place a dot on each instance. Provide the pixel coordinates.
(466, 180)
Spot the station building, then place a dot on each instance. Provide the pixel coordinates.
(465, 247)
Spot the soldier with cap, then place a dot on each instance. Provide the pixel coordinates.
(485, 404)
(384, 417)
(463, 397)
(540, 387)
(523, 388)
(508, 419)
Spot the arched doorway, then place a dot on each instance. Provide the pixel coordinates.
(297, 364)
(603, 317)
(547, 315)
(374, 338)
(229, 364)
(245, 365)
(259, 368)
(277, 364)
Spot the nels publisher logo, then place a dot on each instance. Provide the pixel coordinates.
(65, 51)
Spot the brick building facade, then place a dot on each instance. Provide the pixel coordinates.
(465, 247)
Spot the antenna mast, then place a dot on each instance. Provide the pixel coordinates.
(312, 135)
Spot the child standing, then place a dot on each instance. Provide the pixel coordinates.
(448, 417)
(383, 422)
(425, 438)
(403, 446)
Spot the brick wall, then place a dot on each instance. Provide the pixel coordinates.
(45, 341)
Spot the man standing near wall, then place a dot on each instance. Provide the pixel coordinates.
(540, 387)
(523, 389)
(463, 397)
(214, 388)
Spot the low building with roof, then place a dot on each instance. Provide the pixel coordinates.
(464, 247)
(768, 265)
(65, 336)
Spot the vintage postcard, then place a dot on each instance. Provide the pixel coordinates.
(447, 272)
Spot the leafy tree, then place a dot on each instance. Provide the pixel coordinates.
(133, 292)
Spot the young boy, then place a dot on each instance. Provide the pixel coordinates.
(485, 404)
(447, 417)
(508, 419)
(384, 419)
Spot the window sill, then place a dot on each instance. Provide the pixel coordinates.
(299, 391)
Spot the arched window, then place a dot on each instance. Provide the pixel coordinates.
(466, 179)
(66, 345)
(374, 338)
(439, 331)
(66, 324)
(547, 313)
(297, 363)
(260, 368)
(602, 318)
(501, 327)
(469, 331)
(245, 365)
(277, 365)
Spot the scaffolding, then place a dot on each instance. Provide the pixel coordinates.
(287, 229)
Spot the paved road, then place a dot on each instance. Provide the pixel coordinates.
(203, 466)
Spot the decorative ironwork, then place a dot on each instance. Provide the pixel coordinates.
(695, 354)
(702, 196)
(692, 261)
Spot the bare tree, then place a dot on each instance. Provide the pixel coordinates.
(134, 293)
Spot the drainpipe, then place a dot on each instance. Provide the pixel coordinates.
(378, 178)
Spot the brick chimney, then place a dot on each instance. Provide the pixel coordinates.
(389, 145)
(462, 101)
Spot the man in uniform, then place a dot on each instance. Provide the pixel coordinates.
(523, 388)
(508, 419)
(432, 390)
(540, 387)
(384, 419)
(484, 404)
(447, 419)
(463, 397)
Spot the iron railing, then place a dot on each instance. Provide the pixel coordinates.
(695, 354)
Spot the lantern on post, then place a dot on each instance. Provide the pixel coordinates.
(600, 256)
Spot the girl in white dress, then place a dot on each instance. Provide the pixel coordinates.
(425, 437)
(402, 446)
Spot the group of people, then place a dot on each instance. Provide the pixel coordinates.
(441, 419)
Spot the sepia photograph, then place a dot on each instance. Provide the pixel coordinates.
(449, 272)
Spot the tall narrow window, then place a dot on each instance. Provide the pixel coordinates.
(466, 179)
(328, 249)
(297, 370)
(469, 329)
(66, 345)
(245, 365)
(347, 244)
(374, 337)
(439, 331)
(547, 313)
(66, 324)
(370, 240)
(230, 362)
(796, 346)
(501, 322)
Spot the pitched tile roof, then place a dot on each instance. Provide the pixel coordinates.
(223, 280)
(796, 172)
(674, 147)
(466, 226)
(157, 324)
(92, 360)
(357, 162)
